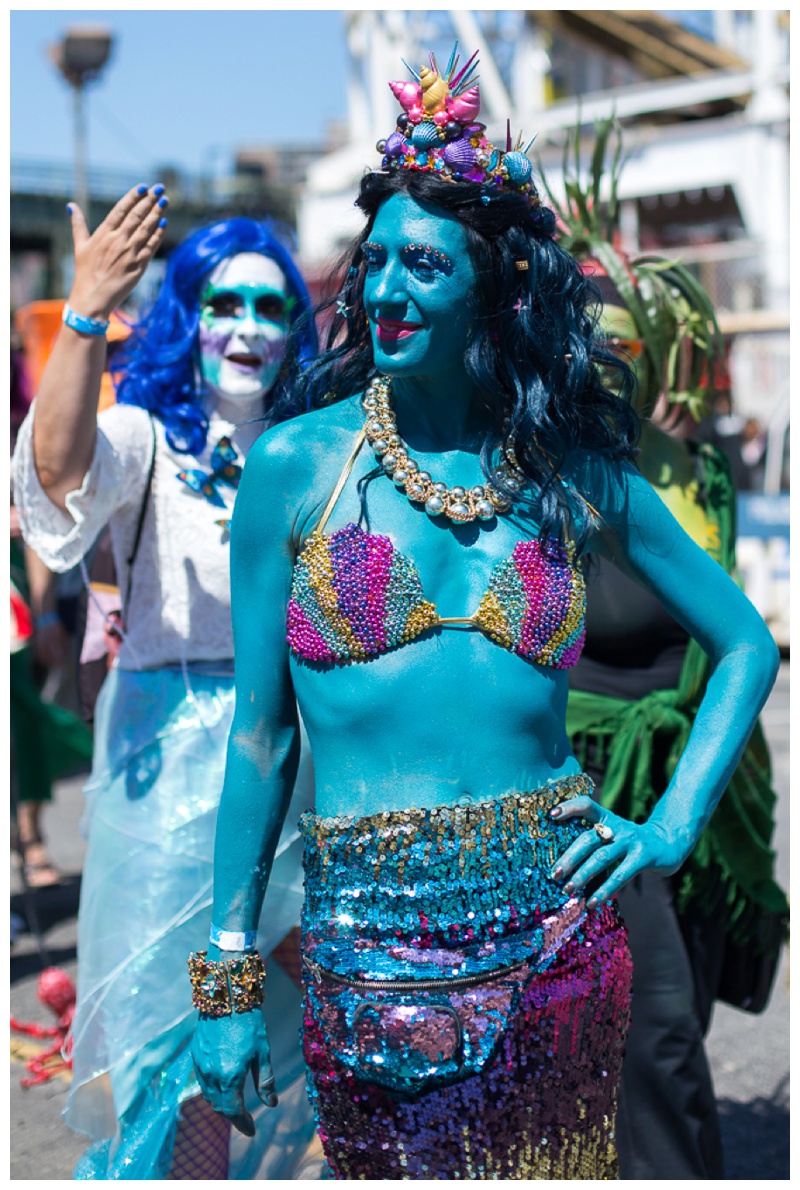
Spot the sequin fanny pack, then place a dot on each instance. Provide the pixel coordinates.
(410, 1035)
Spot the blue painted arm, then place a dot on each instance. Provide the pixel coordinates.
(261, 765)
(641, 536)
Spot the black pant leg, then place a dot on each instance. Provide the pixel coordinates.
(667, 1123)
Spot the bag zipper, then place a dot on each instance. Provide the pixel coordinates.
(410, 985)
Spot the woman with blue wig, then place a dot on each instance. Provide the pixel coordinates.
(204, 372)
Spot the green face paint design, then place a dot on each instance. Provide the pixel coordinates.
(623, 339)
(244, 322)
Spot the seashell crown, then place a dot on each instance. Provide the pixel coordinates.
(438, 132)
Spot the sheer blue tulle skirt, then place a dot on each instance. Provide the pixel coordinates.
(151, 805)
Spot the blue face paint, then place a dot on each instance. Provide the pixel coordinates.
(419, 274)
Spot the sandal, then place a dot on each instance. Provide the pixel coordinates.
(40, 872)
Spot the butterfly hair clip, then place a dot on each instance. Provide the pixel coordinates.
(224, 469)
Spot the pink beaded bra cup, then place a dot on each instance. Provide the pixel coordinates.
(355, 597)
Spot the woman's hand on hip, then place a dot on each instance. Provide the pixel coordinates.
(629, 847)
(224, 1050)
(111, 261)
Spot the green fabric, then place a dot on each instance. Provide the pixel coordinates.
(731, 870)
(47, 741)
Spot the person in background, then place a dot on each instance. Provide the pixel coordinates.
(47, 740)
(634, 695)
(202, 373)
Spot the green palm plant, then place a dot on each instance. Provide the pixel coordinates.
(673, 313)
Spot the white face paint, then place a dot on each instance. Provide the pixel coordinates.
(244, 322)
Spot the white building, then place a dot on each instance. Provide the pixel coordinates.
(706, 136)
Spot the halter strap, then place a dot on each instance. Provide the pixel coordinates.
(342, 480)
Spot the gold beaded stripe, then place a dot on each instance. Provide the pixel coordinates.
(316, 557)
(491, 619)
(420, 618)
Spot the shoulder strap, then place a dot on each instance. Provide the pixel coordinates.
(142, 512)
(342, 480)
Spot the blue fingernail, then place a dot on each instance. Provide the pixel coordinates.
(69, 207)
(141, 189)
(159, 189)
(163, 202)
(162, 223)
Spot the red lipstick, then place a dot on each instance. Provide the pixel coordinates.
(390, 330)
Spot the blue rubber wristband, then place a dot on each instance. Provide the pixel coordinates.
(79, 322)
(231, 939)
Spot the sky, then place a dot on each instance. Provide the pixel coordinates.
(183, 87)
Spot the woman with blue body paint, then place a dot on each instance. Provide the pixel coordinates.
(419, 594)
(203, 374)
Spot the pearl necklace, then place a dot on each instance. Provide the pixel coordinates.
(458, 504)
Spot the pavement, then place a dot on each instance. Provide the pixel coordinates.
(749, 1054)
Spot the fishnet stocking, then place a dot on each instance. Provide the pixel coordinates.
(201, 1144)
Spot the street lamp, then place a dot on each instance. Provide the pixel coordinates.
(80, 56)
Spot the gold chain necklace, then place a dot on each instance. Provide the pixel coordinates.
(458, 504)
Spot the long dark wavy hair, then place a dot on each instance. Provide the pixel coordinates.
(157, 368)
(537, 365)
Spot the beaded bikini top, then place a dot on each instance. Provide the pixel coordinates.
(355, 597)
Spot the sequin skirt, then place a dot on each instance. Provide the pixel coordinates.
(463, 1017)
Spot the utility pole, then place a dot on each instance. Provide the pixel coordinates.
(80, 56)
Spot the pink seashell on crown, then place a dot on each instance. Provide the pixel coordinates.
(437, 132)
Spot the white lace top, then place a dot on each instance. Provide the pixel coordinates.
(179, 607)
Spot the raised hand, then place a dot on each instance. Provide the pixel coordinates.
(111, 261)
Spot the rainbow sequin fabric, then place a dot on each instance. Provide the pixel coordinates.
(354, 596)
(529, 1045)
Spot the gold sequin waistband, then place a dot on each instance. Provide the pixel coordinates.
(459, 818)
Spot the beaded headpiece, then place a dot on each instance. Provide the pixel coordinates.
(437, 132)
